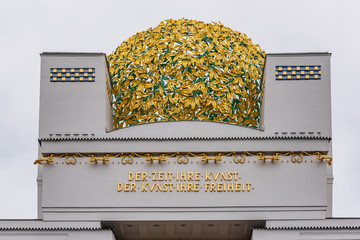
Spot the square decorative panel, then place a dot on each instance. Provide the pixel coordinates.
(298, 73)
(72, 74)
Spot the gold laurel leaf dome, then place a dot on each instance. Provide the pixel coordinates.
(187, 70)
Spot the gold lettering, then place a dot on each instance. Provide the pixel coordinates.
(238, 187)
(182, 187)
(170, 176)
(151, 188)
(133, 187)
(154, 176)
(215, 182)
(161, 176)
(224, 176)
(197, 176)
(158, 187)
(131, 176)
(182, 176)
(230, 174)
(207, 176)
(144, 176)
(190, 187)
(212, 187)
(171, 186)
(196, 187)
(230, 187)
(167, 187)
(219, 187)
(190, 176)
(137, 176)
(235, 176)
(248, 186)
(127, 187)
(206, 187)
(215, 176)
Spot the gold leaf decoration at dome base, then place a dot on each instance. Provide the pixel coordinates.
(187, 70)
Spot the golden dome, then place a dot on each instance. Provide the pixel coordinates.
(187, 70)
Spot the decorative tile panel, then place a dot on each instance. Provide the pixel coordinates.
(298, 72)
(72, 74)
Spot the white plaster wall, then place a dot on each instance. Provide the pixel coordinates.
(282, 190)
(290, 108)
(68, 108)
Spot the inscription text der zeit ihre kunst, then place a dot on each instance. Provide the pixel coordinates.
(184, 182)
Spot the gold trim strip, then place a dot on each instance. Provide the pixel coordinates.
(183, 158)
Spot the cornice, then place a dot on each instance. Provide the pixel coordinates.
(53, 229)
(309, 228)
(154, 139)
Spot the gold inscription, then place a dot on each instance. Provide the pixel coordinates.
(138, 176)
(184, 182)
(126, 187)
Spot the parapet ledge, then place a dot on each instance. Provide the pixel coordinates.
(301, 54)
(69, 54)
(329, 223)
(35, 224)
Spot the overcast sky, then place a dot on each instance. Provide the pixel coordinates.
(28, 28)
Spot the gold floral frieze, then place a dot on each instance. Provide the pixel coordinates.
(185, 158)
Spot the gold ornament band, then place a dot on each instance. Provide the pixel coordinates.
(183, 158)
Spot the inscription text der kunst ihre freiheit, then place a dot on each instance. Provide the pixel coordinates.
(184, 182)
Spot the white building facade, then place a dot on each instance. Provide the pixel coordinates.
(184, 179)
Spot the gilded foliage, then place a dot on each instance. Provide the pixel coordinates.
(187, 70)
